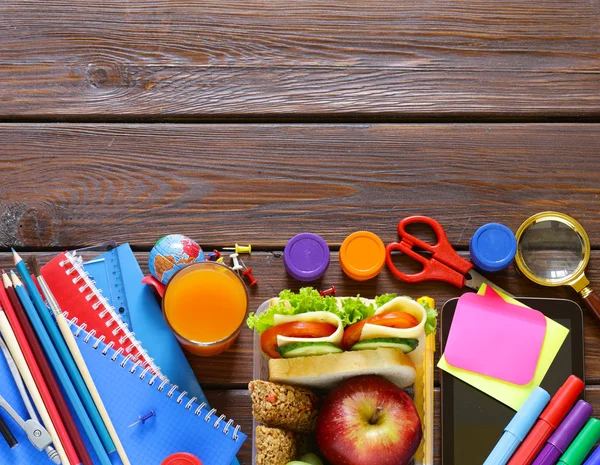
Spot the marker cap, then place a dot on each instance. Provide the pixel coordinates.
(362, 255)
(493, 247)
(548, 456)
(525, 418)
(562, 401)
(582, 444)
(571, 425)
(306, 257)
(181, 458)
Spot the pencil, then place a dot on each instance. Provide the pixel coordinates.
(66, 383)
(19, 358)
(62, 349)
(70, 340)
(14, 371)
(64, 433)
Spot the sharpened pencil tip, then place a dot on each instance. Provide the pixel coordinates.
(16, 256)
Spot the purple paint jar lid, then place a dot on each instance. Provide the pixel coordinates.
(306, 257)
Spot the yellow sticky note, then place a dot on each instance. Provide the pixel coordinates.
(510, 394)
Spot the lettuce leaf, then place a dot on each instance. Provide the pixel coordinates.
(309, 300)
(384, 299)
(431, 322)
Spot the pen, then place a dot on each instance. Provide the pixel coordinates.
(549, 420)
(63, 352)
(563, 436)
(518, 427)
(582, 445)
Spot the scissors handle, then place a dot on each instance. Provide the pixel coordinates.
(442, 251)
(433, 270)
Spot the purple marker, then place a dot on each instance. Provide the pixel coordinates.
(564, 435)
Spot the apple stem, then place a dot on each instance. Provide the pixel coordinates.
(376, 415)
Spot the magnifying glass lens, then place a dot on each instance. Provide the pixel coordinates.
(551, 250)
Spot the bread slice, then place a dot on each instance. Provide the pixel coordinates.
(324, 372)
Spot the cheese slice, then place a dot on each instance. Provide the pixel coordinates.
(312, 317)
(401, 304)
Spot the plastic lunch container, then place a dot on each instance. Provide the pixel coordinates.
(261, 371)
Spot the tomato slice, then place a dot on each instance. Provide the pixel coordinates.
(391, 320)
(307, 329)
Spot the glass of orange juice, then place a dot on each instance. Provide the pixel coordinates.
(205, 305)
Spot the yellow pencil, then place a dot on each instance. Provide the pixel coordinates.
(13, 346)
(65, 330)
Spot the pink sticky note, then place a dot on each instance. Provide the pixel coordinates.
(492, 337)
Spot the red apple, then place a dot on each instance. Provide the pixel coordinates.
(368, 421)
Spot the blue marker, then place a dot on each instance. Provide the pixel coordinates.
(519, 426)
(594, 459)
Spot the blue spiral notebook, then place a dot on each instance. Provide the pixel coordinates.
(180, 424)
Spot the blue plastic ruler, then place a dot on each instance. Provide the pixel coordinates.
(105, 269)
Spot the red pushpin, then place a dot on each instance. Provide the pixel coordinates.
(326, 292)
(217, 254)
(248, 274)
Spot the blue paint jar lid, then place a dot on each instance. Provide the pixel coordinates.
(306, 257)
(493, 247)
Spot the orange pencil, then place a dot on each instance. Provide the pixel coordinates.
(39, 379)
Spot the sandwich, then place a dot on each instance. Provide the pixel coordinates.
(318, 342)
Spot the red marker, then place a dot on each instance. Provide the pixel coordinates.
(549, 420)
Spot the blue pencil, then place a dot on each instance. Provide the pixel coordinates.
(65, 354)
(59, 370)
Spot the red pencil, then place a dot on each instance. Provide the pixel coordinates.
(72, 436)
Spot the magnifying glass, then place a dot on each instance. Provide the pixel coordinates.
(553, 249)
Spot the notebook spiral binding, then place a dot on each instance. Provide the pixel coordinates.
(164, 384)
(74, 264)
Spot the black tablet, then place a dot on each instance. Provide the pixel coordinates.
(472, 422)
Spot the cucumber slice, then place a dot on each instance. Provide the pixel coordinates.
(304, 349)
(407, 345)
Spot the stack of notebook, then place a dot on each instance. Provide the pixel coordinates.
(152, 417)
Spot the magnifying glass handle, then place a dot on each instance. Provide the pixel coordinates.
(592, 300)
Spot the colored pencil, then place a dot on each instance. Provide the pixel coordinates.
(70, 340)
(62, 349)
(66, 383)
(14, 371)
(66, 435)
(24, 368)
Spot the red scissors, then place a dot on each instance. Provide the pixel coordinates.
(444, 265)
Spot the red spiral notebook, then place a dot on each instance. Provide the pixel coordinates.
(78, 296)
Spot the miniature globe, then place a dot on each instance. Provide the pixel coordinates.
(170, 254)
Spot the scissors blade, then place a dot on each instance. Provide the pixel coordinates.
(474, 280)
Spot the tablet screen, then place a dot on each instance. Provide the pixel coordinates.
(472, 422)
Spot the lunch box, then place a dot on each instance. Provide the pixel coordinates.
(422, 397)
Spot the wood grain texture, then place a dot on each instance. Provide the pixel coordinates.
(205, 59)
(80, 184)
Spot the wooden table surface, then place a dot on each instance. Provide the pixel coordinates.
(250, 121)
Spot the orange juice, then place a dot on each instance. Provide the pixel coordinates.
(205, 304)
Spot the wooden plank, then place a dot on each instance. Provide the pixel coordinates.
(234, 367)
(236, 404)
(77, 184)
(205, 59)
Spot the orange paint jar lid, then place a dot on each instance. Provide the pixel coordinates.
(362, 255)
(182, 458)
